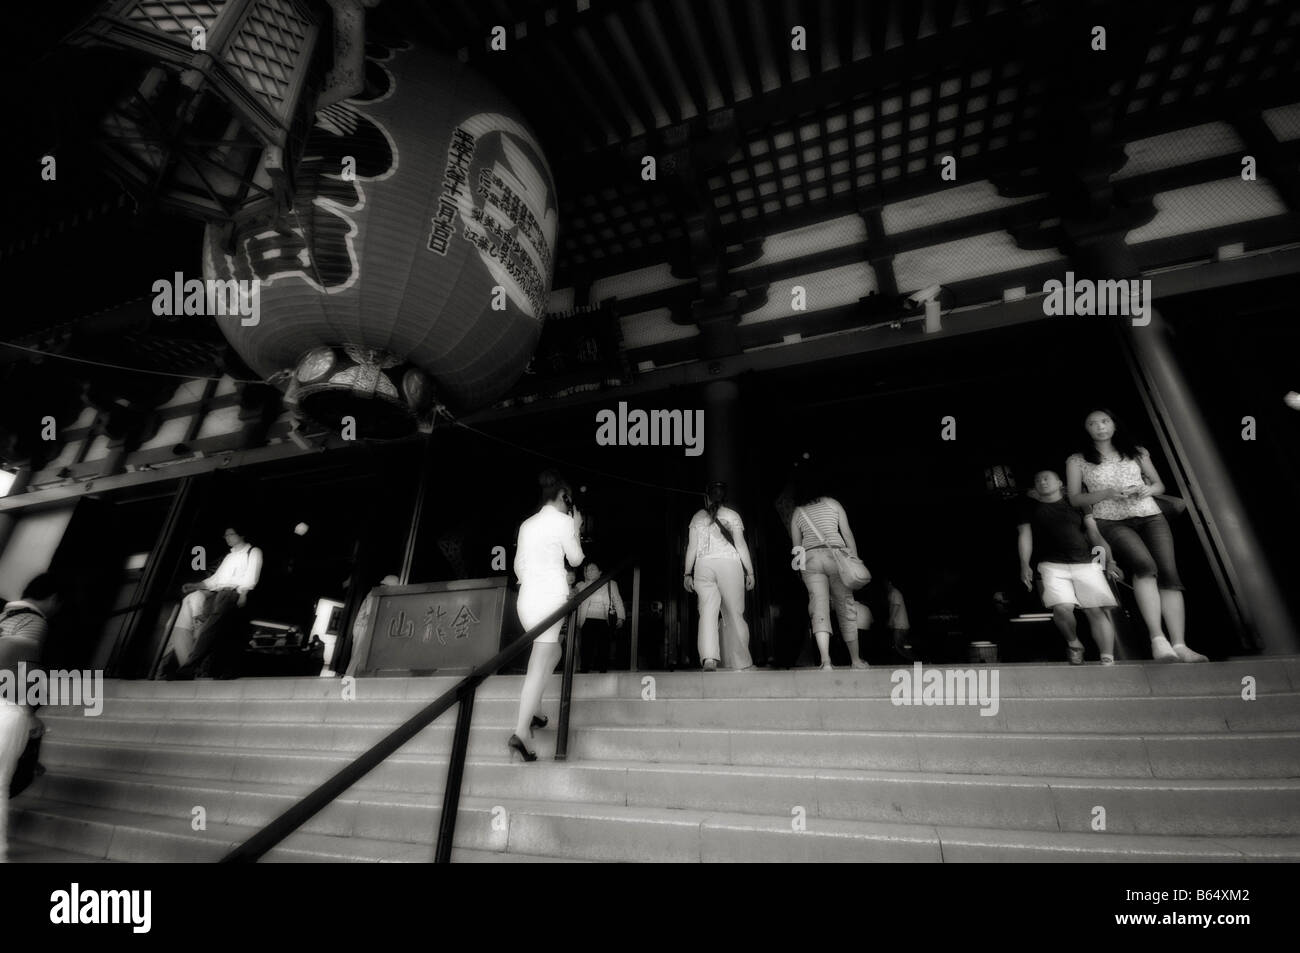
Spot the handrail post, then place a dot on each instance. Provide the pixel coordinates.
(462, 694)
(566, 689)
(455, 771)
(636, 618)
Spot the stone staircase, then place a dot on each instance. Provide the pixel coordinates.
(760, 766)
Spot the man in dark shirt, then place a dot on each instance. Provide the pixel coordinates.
(1057, 535)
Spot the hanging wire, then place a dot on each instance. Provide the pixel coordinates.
(569, 464)
(123, 367)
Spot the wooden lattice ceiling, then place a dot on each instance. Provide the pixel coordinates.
(765, 139)
(884, 91)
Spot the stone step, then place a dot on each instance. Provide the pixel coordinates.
(619, 833)
(1199, 808)
(714, 767)
(23, 852)
(106, 744)
(1200, 714)
(1270, 674)
(124, 837)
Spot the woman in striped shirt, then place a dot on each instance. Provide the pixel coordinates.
(820, 523)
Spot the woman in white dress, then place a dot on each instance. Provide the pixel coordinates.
(546, 539)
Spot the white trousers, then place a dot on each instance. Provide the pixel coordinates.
(193, 608)
(720, 585)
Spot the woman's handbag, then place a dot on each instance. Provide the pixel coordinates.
(853, 571)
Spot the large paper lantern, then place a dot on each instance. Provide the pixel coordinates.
(416, 263)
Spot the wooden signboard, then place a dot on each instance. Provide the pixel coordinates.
(444, 627)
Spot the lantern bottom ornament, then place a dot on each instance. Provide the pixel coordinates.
(384, 396)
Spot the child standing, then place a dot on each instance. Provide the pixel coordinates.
(1058, 535)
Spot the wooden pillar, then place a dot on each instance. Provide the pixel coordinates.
(722, 423)
(9, 520)
(635, 615)
(1241, 561)
(417, 513)
(133, 655)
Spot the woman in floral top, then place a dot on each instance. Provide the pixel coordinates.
(1121, 483)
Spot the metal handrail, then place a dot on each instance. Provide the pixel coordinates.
(463, 692)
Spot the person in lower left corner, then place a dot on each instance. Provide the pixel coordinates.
(15, 732)
(23, 629)
(1056, 535)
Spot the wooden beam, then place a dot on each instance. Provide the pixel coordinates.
(1165, 284)
(646, 62)
(743, 33)
(1272, 161)
(1131, 191)
(602, 52)
(878, 253)
(536, 62)
(776, 31)
(53, 496)
(849, 28)
(808, 17)
(564, 52)
(711, 26)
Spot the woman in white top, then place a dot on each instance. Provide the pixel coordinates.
(546, 540)
(594, 620)
(1121, 483)
(238, 573)
(820, 523)
(719, 570)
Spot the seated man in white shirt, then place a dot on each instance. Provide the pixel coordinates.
(194, 634)
(594, 620)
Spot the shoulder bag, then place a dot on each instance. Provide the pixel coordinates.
(853, 571)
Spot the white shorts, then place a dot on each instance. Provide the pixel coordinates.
(1075, 584)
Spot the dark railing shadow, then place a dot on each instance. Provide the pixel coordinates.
(463, 693)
